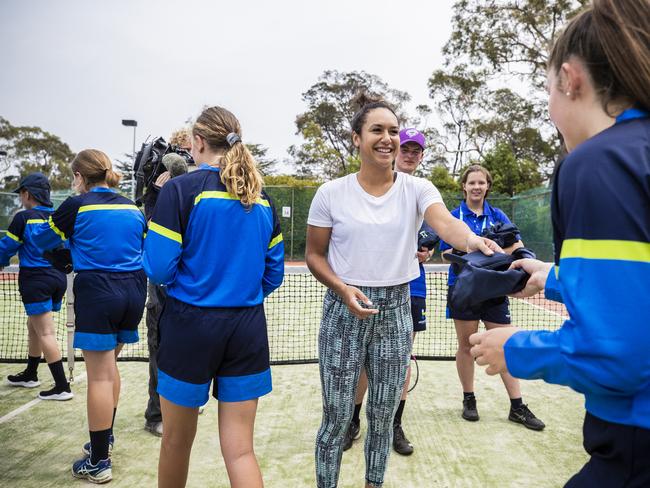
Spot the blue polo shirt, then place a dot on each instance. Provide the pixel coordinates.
(19, 238)
(600, 211)
(477, 223)
(208, 248)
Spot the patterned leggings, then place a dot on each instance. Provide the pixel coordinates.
(381, 343)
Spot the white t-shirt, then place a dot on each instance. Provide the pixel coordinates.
(374, 239)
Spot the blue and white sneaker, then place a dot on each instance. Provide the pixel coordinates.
(98, 473)
(111, 440)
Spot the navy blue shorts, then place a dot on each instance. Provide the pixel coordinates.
(495, 311)
(419, 313)
(199, 345)
(41, 289)
(108, 308)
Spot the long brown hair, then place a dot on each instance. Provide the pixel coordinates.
(95, 167)
(612, 38)
(238, 168)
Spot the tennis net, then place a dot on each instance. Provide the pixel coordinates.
(293, 313)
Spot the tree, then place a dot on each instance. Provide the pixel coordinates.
(510, 175)
(31, 149)
(325, 125)
(265, 163)
(444, 182)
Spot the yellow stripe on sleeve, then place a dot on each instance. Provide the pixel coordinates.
(224, 195)
(606, 249)
(14, 237)
(37, 221)
(277, 240)
(164, 231)
(56, 230)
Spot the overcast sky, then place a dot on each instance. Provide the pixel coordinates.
(76, 68)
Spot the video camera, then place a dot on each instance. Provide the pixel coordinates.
(149, 165)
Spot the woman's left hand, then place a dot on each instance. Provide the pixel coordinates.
(487, 348)
(486, 246)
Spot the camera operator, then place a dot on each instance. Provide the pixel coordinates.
(172, 164)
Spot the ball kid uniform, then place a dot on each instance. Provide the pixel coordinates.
(219, 260)
(495, 311)
(418, 290)
(41, 286)
(105, 233)
(600, 211)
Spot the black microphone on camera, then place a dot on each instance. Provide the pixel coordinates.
(175, 164)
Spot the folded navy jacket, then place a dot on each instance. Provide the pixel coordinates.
(481, 278)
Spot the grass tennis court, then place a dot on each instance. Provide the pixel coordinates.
(40, 443)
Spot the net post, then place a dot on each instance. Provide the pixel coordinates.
(69, 323)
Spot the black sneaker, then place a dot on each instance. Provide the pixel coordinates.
(353, 433)
(400, 443)
(24, 379)
(469, 409)
(56, 393)
(524, 416)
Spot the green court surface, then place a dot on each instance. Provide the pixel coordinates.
(40, 442)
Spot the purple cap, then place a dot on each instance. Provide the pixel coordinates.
(412, 135)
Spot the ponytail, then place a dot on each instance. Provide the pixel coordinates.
(240, 174)
(95, 167)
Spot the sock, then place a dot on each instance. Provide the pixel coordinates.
(357, 410)
(99, 445)
(516, 402)
(113, 421)
(32, 364)
(56, 368)
(467, 394)
(398, 415)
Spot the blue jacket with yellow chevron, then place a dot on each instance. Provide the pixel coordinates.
(601, 224)
(19, 238)
(210, 250)
(104, 230)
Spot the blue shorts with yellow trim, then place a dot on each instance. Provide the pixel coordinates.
(108, 308)
(495, 310)
(199, 345)
(419, 313)
(41, 289)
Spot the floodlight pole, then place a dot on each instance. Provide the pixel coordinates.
(134, 124)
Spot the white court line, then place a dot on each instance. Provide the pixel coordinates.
(562, 316)
(30, 404)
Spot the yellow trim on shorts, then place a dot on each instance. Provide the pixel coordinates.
(113, 206)
(277, 240)
(56, 230)
(37, 221)
(606, 249)
(224, 195)
(14, 237)
(165, 232)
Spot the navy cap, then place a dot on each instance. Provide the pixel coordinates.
(38, 185)
(428, 239)
(482, 278)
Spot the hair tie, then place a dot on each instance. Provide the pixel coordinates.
(232, 139)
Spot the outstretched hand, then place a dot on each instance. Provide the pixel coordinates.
(538, 271)
(351, 297)
(486, 246)
(487, 348)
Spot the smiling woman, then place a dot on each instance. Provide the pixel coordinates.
(361, 244)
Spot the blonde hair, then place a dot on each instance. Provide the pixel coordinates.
(181, 138)
(95, 167)
(476, 168)
(238, 168)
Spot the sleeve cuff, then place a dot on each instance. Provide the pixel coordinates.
(553, 287)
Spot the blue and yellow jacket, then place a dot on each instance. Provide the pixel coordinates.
(208, 249)
(105, 231)
(19, 238)
(601, 223)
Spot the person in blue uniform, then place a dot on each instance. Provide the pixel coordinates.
(479, 215)
(41, 287)
(215, 241)
(598, 79)
(105, 233)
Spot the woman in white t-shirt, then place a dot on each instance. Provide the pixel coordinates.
(361, 244)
